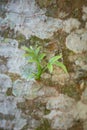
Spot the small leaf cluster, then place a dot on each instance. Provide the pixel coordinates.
(38, 58)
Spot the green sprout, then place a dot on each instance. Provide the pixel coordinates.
(38, 58)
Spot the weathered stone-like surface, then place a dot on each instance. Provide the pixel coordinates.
(82, 62)
(59, 76)
(5, 83)
(85, 9)
(60, 114)
(31, 90)
(61, 79)
(32, 102)
(80, 111)
(77, 41)
(85, 125)
(84, 17)
(29, 19)
(64, 111)
(84, 96)
(62, 102)
(63, 122)
(10, 116)
(70, 24)
(3, 69)
(23, 89)
(9, 49)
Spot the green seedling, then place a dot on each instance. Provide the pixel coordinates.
(38, 58)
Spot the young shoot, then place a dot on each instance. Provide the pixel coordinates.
(35, 56)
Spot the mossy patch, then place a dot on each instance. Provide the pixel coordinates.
(77, 126)
(6, 117)
(20, 37)
(71, 91)
(3, 60)
(9, 92)
(33, 41)
(8, 33)
(69, 7)
(46, 111)
(45, 125)
(13, 76)
(2, 8)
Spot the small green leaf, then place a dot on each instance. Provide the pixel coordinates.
(30, 76)
(41, 56)
(50, 67)
(34, 56)
(61, 65)
(37, 50)
(26, 55)
(31, 60)
(54, 59)
(31, 47)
